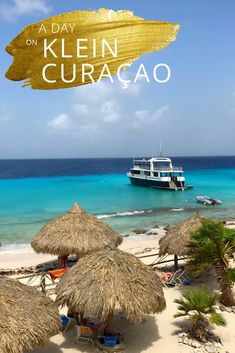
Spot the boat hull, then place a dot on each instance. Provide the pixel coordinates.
(156, 184)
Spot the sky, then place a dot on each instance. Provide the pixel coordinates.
(193, 114)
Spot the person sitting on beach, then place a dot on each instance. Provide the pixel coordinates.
(110, 331)
(63, 261)
(166, 276)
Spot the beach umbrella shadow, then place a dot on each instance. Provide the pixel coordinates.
(50, 347)
(137, 336)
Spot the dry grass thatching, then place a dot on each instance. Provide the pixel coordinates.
(177, 238)
(27, 318)
(76, 232)
(110, 279)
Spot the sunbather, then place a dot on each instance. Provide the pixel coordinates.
(166, 276)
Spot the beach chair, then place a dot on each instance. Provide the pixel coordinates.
(174, 279)
(57, 274)
(66, 323)
(83, 334)
(117, 348)
(183, 279)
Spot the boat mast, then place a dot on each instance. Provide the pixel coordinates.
(160, 149)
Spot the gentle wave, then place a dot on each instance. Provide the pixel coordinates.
(177, 209)
(122, 214)
(16, 249)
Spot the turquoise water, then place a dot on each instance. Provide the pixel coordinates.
(27, 204)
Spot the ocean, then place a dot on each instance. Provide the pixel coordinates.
(33, 192)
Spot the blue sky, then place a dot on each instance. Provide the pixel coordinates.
(193, 114)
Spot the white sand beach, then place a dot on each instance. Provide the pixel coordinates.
(157, 334)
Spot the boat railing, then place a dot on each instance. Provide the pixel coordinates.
(171, 169)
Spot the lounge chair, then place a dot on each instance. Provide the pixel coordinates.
(118, 348)
(84, 334)
(184, 279)
(173, 281)
(178, 278)
(66, 323)
(57, 274)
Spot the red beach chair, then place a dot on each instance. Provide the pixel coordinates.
(57, 274)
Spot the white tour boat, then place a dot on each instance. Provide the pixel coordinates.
(157, 173)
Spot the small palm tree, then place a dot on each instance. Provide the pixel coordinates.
(198, 305)
(212, 247)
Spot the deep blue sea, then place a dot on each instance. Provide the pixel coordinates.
(32, 192)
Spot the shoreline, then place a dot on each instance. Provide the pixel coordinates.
(124, 222)
(22, 259)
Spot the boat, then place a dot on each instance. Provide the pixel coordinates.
(209, 201)
(157, 172)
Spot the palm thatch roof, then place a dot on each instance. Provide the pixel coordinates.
(76, 232)
(110, 279)
(27, 318)
(177, 238)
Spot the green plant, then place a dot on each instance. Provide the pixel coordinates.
(198, 305)
(212, 247)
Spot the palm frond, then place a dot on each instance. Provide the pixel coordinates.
(217, 319)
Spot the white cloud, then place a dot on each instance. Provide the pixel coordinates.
(143, 117)
(102, 110)
(10, 10)
(80, 109)
(61, 122)
(110, 112)
(93, 93)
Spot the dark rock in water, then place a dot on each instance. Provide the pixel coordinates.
(152, 233)
(156, 226)
(140, 231)
(17, 271)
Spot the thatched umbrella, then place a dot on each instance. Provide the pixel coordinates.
(27, 318)
(177, 238)
(110, 279)
(76, 232)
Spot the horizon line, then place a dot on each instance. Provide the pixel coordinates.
(126, 157)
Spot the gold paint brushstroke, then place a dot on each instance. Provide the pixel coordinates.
(135, 37)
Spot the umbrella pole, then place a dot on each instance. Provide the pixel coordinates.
(176, 265)
(110, 320)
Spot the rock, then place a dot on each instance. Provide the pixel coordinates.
(211, 349)
(195, 344)
(139, 231)
(229, 310)
(182, 334)
(222, 308)
(218, 345)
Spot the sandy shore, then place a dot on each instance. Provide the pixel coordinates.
(157, 334)
(134, 244)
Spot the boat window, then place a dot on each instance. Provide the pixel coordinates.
(142, 165)
(147, 173)
(156, 174)
(161, 165)
(133, 171)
